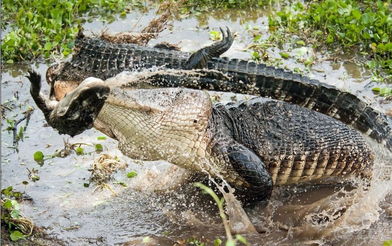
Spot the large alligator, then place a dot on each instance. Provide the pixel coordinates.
(97, 58)
(252, 145)
(94, 57)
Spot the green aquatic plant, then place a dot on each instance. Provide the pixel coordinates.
(384, 91)
(18, 226)
(39, 157)
(132, 174)
(226, 4)
(387, 243)
(220, 203)
(362, 27)
(38, 28)
(215, 35)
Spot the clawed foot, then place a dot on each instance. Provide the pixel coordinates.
(200, 58)
(35, 80)
(43, 103)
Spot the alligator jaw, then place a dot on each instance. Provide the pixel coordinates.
(77, 111)
(51, 77)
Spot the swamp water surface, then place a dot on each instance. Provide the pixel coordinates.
(73, 214)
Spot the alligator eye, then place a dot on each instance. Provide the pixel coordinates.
(195, 121)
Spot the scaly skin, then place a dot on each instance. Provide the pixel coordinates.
(95, 57)
(98, 58)
(253, 145)
(319, 97)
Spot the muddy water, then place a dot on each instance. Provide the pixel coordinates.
(152, 205)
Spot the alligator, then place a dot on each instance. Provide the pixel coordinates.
(98, 58)
(253, 145)
(94, 57)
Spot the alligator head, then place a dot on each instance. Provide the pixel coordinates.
(77, 110)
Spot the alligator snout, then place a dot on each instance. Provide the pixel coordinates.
(77, 110)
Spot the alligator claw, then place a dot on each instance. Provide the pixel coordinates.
(35, 80)
(43, 103)
(200, 58)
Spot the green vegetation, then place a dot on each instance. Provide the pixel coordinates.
(364, 26)
(387, 243)
(132, 174)
(201, 5)
(384, 92)
(215, 35)
(98, 148)
(220, 203)
(49, 27)
(18, 226)
(39, 157)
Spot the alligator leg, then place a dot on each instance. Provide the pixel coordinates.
(43, 103)
(200, 58)
(250, 169)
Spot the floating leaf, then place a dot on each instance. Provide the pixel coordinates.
(17, 235)
(98, 148)
(101, 138)
(309, 61)
(7, 204)
(256, 56)
(35, 178)
(7, 191)
(39, 156)
(382, 91)
(79, 151)
(284, 55)
(217, 242)
(215, 35)
(132, 174)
